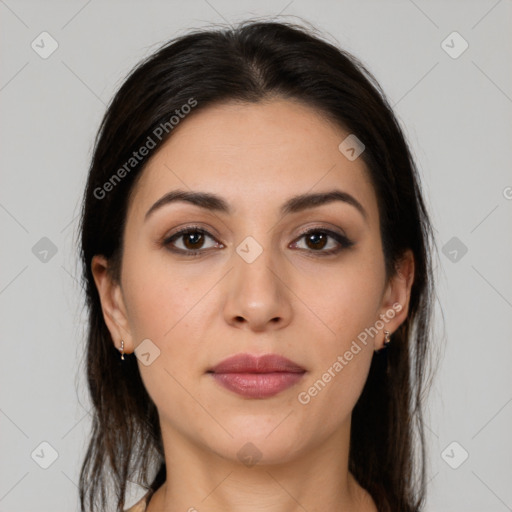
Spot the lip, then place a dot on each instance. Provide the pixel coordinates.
(247, 363)
(257, 377)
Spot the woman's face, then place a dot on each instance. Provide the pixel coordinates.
(250, 281)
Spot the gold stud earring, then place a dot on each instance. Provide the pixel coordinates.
(387, 338)
(122, 350)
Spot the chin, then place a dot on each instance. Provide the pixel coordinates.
(259, 444)
(251, 452)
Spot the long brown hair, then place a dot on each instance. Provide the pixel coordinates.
(252, 62)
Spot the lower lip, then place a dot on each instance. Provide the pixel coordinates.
(257, 385)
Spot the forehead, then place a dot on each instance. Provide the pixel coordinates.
(255, 155)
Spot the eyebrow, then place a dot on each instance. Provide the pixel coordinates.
(295, 204)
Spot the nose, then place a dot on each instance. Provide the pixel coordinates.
(257, 297)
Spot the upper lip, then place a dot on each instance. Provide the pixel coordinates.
(247, 363)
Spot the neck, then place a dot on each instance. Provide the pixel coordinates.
(199, 479)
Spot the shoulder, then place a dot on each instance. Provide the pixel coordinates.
(140, 506)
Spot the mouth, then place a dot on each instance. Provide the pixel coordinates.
(257, 377)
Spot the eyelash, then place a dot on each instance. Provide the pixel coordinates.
(344, 242)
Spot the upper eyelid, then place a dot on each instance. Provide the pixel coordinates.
(337, 231)
(183, 231)
(206, 231)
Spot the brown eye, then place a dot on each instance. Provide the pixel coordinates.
(189, 240)
(316, 240)
(193, 240)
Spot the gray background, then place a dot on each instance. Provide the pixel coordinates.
(457, 116)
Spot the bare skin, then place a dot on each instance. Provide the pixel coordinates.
(291, 300)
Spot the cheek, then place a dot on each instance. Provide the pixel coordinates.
(341, 362)
(348, 304)
(346, 297)
(163, 306)
(168, 307)
(158, 297)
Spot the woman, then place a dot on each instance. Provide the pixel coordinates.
(256, 257)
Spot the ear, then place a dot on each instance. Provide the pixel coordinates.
(396, 298)
(112, 304)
